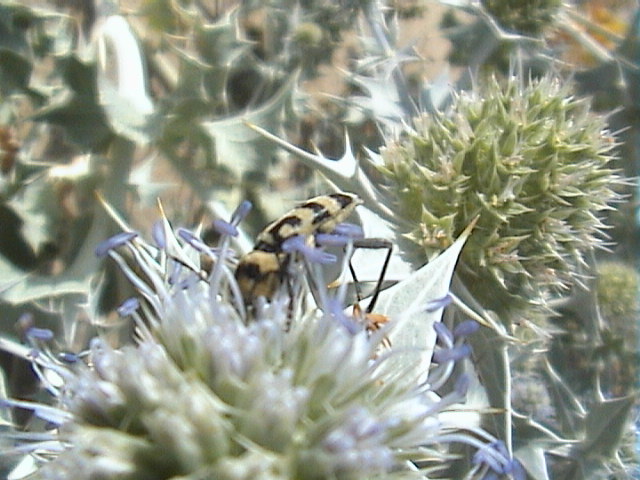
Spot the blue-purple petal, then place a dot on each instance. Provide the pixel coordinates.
(40, 333)
(466, 328)
(443, 332)
(129, 306)
(438, 303)
(462, 384)
(225, 228)
(331, 240)
(315, 255)
(241, 212)
(452, 354)
(515, 469)
(491, 460)
(68, 357)
(193, 240)
(111, 243)
(158, 234)
(293, 244)
(350, 230)
(336, 310)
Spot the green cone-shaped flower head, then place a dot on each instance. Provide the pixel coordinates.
(530, 161)
(526, 17)
(618, 285)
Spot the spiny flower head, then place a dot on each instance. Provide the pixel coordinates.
(618, 286)
(529, 17)
(530, 161)
(211, 390)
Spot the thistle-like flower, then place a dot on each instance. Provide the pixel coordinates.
(531, 161)
(618, 285)
(213, 390)
(525, 18)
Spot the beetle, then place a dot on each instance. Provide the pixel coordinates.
(263, 270)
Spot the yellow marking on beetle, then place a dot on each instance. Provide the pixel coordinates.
(319, 214)
(260, 274)
(263, 270)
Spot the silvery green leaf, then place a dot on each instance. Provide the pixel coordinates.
(469, 414)
(569, 412)
(24, 468)
(459, 3)
(10, 276)
(148, 191)
(221, 48)
(77, 277)
(382, 103)
(492, 360)
(407, 302)
(345, 172)
(387, 98)
(77, 109)
(38, 209)
(241, 148)
(435, 96)
(5, 413)
(605, 424)
(533, 460)
(490, 348)
(122, 79)
(18, 287)
(367, 262)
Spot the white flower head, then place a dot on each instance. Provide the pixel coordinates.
(286, 389)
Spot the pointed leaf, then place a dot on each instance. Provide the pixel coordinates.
(219, 44)
(15, 20)
(78, 111)
(492, 362)
(76, 279)
(241, 148)
(430, 283)
(5, 413)
(38, 209)
(533, 460)
(367, 262)
(141, 179)
(121, 80)
(569, 412)
(435, 96)
(344, 172)
(382, 103)
(606, 424)
(24, 467)
(10, 276)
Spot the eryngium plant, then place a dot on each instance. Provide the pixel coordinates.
(617, 289)
(531, 161)
(210, 391)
